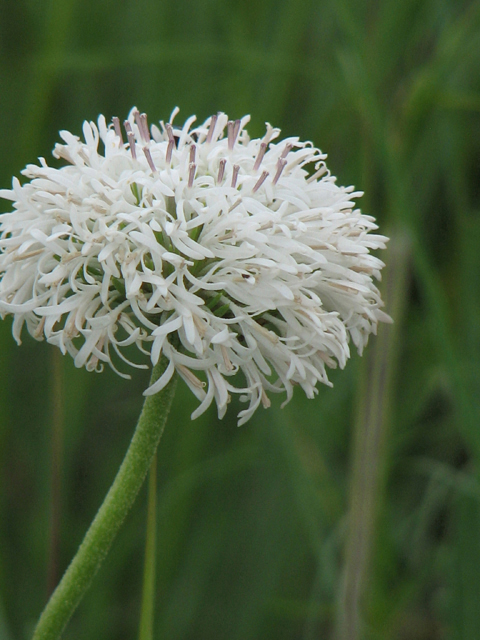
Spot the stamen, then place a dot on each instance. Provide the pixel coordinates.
(286, 151)
(233, 128)
(71, 330)
(317, 174)
(131, 142)
(118, 129)
(201, 325)
(149, 158)
(83, 156)
(169, 129)
(230, 128)
(39, 330)
(192, 153)
(270, 131)
(191, 173)
(221, 170)
(211, 129)
(235, 205)
(280, 167)
(191, 377)
(260, 181)
(265, 400)
(138, 122)
(168, 155)
(236, 169)
(301, 157)
(144, 127)
(228, 363)
(128, 126)
(27, 254)
(267, 333)
(261, 153)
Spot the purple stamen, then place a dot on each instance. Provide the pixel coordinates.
(236, 169)
(144, 127)
(169, 129)
(230, 131)
(168, 155)
(221, 170)
(141, 122)
(138, 122)
(149, 158)
(286, 151)
(233, 127)
(192, 153)
(261, 153)
(280, 167)
(260, 181)
(131, 142)
(128, 127)
(211, 130)
(191, 173)
(118, 129)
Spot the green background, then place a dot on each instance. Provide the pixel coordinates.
(355, 515)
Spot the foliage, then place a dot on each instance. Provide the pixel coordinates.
(362, 505)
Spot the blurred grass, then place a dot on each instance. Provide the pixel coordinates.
(254, 523)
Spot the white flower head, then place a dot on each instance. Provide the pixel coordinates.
(229, 255)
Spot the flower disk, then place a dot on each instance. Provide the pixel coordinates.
(222, 252)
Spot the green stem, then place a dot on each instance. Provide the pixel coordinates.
(111, 514)
(148, 592)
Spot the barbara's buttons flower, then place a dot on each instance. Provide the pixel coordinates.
(225, 253)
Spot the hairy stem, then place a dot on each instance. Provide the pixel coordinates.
(111, 514)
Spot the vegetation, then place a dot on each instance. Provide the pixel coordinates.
(355, 515)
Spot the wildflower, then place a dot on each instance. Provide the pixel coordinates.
(222, 252)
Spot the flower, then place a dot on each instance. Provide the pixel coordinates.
(220, 251)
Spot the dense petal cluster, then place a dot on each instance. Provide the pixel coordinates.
(225, 253)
